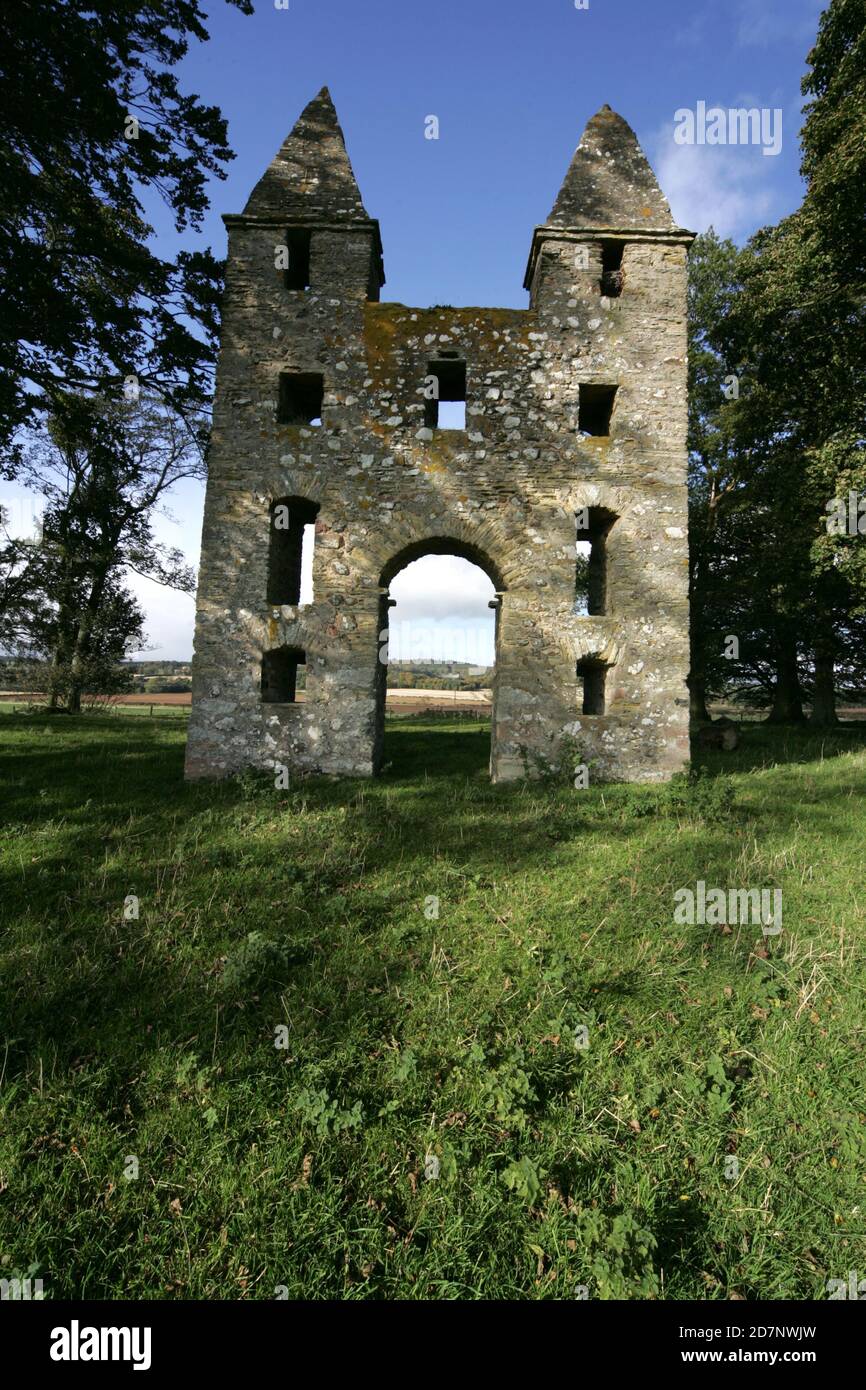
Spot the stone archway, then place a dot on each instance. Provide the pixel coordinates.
(407, 555)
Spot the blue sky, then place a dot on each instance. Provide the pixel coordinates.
(512, 83)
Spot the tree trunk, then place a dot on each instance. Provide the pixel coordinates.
(824, 699)
(698, 712)
(57, 660)
(74, 701)
(80, 651)
(787, 705)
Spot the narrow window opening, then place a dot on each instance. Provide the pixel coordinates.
(445, 408)
(591, 588)
(595, 409)
(581, 580)
(292, 536)
(300, 398)
(611, 268)
(591, 678)
(280, 683)
(298, 271)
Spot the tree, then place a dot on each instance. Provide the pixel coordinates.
(20, 562)
(799, 326)
(84, 651)
(103, 468)
(86, 301)
(715, 468)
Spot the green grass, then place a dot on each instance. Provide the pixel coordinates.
(412, 1038)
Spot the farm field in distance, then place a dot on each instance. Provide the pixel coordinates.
(503, 1070)
(404, 700)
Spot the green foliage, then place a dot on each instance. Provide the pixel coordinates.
(256, 962)
(103, 469)
(507, 1090)
(786, 316)
(619, 1252)
(316, 1111)
(521, 1178)
(87, 298)
(159, 685)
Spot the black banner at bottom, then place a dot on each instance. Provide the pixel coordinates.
(64, 1339)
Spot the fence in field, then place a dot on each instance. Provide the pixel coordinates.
(465, 704)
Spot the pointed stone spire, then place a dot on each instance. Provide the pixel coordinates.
(310, 179)
(609, 182)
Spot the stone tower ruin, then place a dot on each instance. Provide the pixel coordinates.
(326, 432)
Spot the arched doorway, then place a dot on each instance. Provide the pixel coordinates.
(438, 638)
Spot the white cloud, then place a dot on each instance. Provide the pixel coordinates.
(764, 23)
(170, 620)
(732, 188)
(442, 586)
(170, 615)
(442, 612)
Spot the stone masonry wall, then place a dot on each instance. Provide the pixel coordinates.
(505, 493)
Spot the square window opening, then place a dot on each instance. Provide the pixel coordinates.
(446, 409)
(591, 680)
(297, 274)
(611, 268)
(301, 397)
(595, 409)
(280, 683)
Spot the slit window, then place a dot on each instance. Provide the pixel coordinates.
(591, 680)
(290, 551)
(445, 394)
(280, 683)
(301, 395)
(595, 409)
(297, 273)
(590, 588)
(611, 268)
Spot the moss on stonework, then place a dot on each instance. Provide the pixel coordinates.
(388, 327)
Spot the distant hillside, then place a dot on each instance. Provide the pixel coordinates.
(438, 675)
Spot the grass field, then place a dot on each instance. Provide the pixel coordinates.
(288, 1076)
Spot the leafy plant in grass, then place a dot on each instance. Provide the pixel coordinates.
(571, 755)
(688, 796)
(508, 1090)
(712, 1086)
(521, 1177)
(619, 1253)
(257, 962)
(403, 1069)
(324, 1115)
(720, 1090)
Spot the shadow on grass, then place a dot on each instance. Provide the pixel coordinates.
(105, 801)
(453, 749)
(766, 745)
